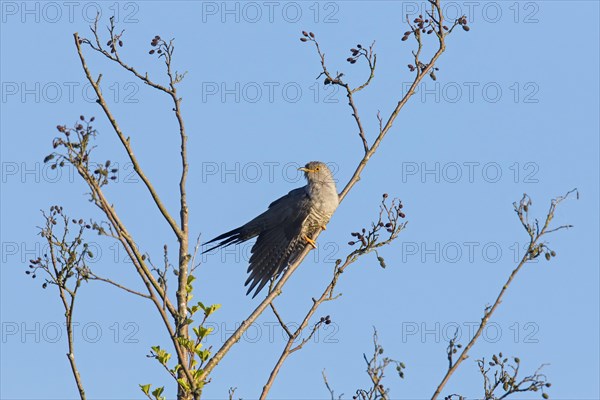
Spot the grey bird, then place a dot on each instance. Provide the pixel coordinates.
(287, 227)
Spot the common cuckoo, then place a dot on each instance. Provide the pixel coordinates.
(287, 227)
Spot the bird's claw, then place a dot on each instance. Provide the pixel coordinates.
(323, 227)
(310, 241)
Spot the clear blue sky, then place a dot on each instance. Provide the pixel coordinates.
(514, 110)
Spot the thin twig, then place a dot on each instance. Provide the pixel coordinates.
(93, 276)
(283, 324)
(331, 392)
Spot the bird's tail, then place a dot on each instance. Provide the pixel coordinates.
(228, 238)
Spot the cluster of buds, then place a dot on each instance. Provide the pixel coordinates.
(422, 25)
(430, 25)
(156, 41)
(361, 51)
(113, 42)
(115, 39)
(76, 141)
(81, 223)
(325, 320)
(455, 348)
(496, 360)
(50, 157)
(376, 368)
(397, 207)
(389, 220)
(540, 249)
(78, 128)
(421, 66)
(56, 210)
(356, 53)
(360, 236)
(34, 265)
(400, 369)
(393, 213)
(505, 377)
(432, 73)
(307, 36)
(336, 80)
(462, 21)
(67, 259)
(103, 171)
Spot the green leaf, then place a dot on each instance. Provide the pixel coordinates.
(145, 388)
(201, 332)
(203, 354)
(161, 355)
(186, 343)
(183, 383)
(164, 358)
(211, 309)
(158, 391)
(196, 373)
(189, 288)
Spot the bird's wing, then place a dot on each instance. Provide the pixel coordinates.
(279, 241)
(279, 237)
(278, 211)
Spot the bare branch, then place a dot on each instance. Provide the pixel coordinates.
(337, 79)
(331, 392)
(165, 51)
(376, 367)
(78, 155)
(94, 277)
(113, 55)
(283, 325)
(124, 140)
(193, 260)
(505, 378)
(67, 269)
(535, 249)
(232, 392)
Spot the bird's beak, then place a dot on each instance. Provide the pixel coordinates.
(306, 169)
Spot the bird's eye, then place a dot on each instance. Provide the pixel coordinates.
(316, 169)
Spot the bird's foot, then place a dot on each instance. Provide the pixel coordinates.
(310, 241)
(323, 227)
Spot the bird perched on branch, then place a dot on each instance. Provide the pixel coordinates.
(287, 227)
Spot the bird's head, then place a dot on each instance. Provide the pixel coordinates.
(317, 172)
